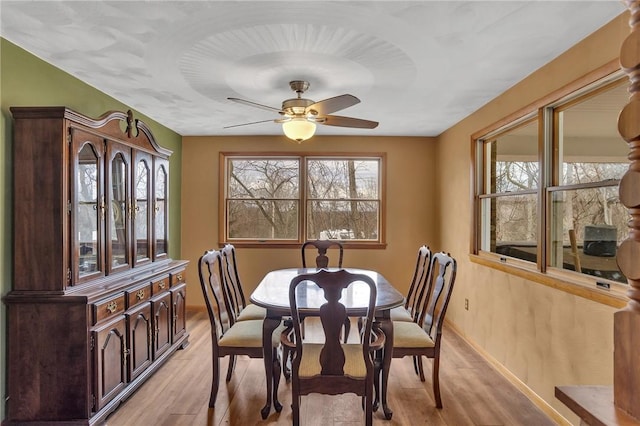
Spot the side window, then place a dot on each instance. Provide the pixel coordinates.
(551, 199)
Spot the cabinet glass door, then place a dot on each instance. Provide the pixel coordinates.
(119, 207)
(87, 199)
(141, 211)
(160, 208)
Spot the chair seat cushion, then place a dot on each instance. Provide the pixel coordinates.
(248, 334)
(410, 335)
(399, 313)
(354, 365)
(252, 312)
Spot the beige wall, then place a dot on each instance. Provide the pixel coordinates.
(411, 207)
(543, 336)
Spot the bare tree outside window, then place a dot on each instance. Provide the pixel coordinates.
(263, 198)
(342, 199)
(266, 196)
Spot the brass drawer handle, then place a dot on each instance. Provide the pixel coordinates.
(179, 277)
(112, 306)
(161, 284)
(140, 294)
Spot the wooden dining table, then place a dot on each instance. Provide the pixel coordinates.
(272, 293)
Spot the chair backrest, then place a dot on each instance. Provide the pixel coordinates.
(332, 316)
(439, 287)
(212, 281)
(230, 268)
(417, 288)
(320, 251)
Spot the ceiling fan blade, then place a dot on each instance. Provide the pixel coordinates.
(334, 104)
(336, 120)
(254, 104)
(247, 124)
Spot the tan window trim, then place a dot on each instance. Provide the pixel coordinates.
(296, 244)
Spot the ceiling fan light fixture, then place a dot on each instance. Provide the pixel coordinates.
(299, 129)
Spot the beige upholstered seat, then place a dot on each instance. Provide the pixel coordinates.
(247, 334)
(423, 337)
(328, 366)
(228, 335)
(354, 365)
(408, 334)
(400, 313)
(252, 312)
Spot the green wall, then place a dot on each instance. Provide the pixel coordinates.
(26, 80)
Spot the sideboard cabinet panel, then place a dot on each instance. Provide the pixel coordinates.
(139, 326)
(179, 301)
(90, 311)
(161, 307)
(110, 358)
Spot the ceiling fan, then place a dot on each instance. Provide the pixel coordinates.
(300, 115)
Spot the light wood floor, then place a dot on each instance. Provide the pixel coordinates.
(473, 393)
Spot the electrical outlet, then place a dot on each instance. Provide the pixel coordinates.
(466, 304)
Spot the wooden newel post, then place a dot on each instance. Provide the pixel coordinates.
(626, 387)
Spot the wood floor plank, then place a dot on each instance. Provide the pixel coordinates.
(473, 393)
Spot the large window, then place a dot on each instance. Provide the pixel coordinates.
(289, 199)
(547, 186)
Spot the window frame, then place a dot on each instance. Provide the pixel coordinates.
(303, 200)
(544, 108)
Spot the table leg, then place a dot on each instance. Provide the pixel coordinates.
(268, 326)
(387, 327)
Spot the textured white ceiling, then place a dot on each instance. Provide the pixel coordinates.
(418, 67)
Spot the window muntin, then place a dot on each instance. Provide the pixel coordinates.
(570, 190)
(293, 198)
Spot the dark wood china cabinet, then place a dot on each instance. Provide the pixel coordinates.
(96, 304)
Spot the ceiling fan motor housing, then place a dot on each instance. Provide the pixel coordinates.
(296, 106)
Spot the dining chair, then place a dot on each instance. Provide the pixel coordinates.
(229, 336)
(244, 311)
(318, 249)
(424, 336)
(410, 310)
(327, 365)
(413, 300)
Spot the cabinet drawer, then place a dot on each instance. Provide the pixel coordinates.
(160, 285)
(108, 308)
(138, 294)
(178, 277)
